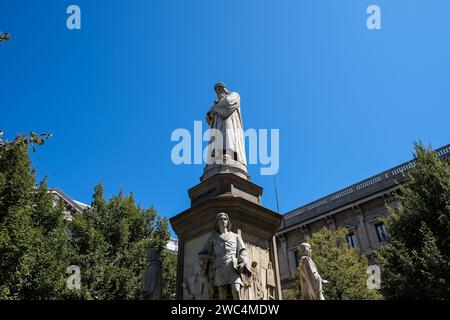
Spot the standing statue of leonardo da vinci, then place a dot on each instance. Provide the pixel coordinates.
(225, 116)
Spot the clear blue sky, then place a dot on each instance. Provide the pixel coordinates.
(348, 101)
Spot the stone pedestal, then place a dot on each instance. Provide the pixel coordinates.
(224, 164)
(241, 200)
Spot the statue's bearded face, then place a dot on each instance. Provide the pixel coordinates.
(221, 92)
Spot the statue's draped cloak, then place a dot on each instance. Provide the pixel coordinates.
(310, 280)
(227, 118)
(153, 280)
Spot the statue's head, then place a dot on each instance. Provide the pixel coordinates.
(220, 89)
(152, 254)
(305, 249)
(222, 219)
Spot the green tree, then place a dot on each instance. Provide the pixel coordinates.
(416, 262)
(55, 253)
(111, 239)
(37, 244)
(34, 249)
(169, 266)
(341, 265)
(294, 291)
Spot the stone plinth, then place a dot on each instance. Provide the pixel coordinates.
(224, 164)
(241, 200)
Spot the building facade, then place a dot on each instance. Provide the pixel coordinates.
(357, 208)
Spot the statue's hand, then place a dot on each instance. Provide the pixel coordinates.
(208, 118)
(210, 115)
(242, 268)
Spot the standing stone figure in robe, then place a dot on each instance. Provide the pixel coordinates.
(225, 258)
(225, 116)
(270, 282)
(256, 282)
(310, 279)
(151, 287)
(189, 285)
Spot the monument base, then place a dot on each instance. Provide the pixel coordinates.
(241, 200)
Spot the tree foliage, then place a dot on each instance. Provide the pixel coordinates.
(111, 239)
(169, 265)
(293, 292)
(37, 245)
(416, 262)
(34, 249)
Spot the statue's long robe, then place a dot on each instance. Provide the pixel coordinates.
(310, 280)
(152, 283)
(226, 117)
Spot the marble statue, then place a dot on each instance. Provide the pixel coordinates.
(225, 116)
(270, 282)
(189, 285)
(151, 287)
(256, 282)
(224, 259)
(310, 279)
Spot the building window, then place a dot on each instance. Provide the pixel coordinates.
(381, 232)
(351, 239)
